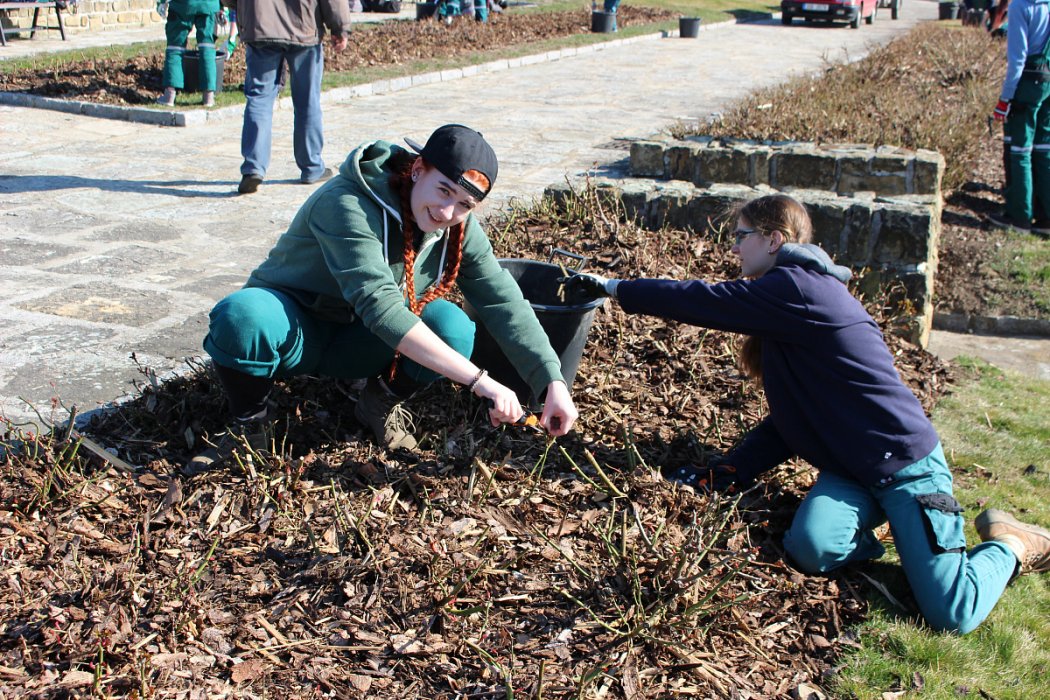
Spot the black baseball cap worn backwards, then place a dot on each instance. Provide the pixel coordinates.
(454, 149)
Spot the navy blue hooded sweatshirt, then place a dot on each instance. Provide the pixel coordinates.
(835, 398)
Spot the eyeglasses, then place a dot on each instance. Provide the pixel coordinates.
(742, 233)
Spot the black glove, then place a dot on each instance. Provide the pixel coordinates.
(716, 475)
(583, 286)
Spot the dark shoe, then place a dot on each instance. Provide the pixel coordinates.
(241, 436)
(326, 175)
(1029, 543)
(380, 409)
(249, 184)
(1003, 220)
(1041, 227)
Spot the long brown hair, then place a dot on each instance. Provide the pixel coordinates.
(402, 183)
(775, 212)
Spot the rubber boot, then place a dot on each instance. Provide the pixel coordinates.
(168, 98)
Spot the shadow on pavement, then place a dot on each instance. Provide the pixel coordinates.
(19, 184)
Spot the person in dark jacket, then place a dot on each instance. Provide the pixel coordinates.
(836, 401)
(354, 289)
(279, 34)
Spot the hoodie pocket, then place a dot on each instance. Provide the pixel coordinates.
(943, 522)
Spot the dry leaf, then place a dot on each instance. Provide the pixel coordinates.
(248, 671)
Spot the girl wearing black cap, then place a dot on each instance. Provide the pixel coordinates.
(354, 290)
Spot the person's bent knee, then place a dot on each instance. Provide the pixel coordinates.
(809, 555)
(451, 324)
(950, 621)
(246, 329)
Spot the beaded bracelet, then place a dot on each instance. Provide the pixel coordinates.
(477, 378)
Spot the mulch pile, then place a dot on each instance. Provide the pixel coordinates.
(137, 80)
(489, 564)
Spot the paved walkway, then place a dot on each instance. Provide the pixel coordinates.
(119, 237)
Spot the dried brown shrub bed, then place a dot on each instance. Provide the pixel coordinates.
(489, 564)
(137, 80)
(932, 88)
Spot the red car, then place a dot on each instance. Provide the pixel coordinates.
(851, 11)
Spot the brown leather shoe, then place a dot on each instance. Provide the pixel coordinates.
(380, 409)
(1029, 543)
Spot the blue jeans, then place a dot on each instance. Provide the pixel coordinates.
(955, 589)
(264, 333)
(305, 66)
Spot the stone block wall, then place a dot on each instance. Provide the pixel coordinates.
(890, 242)
(844, 169)
(92, 15)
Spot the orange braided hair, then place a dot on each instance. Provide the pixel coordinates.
(402, 182)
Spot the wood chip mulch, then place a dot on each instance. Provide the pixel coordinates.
(489, 564)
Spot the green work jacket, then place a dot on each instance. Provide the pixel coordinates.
(343, 258)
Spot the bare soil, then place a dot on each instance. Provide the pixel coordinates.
(966, 281)
(490, 563)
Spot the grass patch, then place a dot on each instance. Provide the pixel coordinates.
(1025, 261)
(928, 89)
(996, 437)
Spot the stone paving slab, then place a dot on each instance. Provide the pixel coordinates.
(118, 237)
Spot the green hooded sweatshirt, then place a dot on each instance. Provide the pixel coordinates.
(343, 259)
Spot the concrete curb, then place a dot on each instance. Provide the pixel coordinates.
(196, 117)
(992, 325)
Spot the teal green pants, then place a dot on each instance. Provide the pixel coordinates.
(177, 30)
(264, 333)
(1028, 127)
(955, 589)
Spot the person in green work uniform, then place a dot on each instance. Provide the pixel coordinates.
(1024, 105)
(353, 290)
(182, 15)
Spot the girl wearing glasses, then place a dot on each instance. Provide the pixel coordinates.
(836, 401)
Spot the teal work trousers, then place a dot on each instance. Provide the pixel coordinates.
(1028, 129)
(264, 333)
(955, 589)
(177, 30)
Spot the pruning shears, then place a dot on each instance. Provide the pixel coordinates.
(527, 420)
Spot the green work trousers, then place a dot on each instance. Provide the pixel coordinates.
(1028, 128)
(177, 30)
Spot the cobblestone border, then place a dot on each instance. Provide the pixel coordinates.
(195, 117)
(992, 325)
